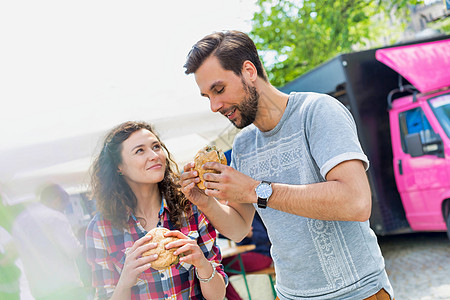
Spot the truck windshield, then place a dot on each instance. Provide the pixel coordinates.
(441, 108)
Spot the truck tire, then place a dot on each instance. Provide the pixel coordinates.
(448, 226)
(446, 215)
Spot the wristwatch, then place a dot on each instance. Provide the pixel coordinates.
(263, 192)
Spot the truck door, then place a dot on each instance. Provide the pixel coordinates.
(420, 171)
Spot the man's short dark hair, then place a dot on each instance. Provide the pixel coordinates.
(232, 49)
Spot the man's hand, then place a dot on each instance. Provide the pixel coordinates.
(229, 185)
(226, 199)
(188, 182)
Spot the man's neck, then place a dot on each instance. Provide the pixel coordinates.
(272, 104)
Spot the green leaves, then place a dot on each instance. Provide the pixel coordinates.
(295, 36)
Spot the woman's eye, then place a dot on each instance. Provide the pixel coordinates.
(221, 90)
(139, 150)
(156, 147)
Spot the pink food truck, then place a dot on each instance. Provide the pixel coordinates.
(399, 97)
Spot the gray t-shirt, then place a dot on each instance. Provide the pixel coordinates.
(313, 259)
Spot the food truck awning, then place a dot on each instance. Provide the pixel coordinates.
(426, 66)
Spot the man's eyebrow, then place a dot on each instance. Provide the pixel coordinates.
(213, 85)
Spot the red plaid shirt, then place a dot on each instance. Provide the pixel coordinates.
(106, 248)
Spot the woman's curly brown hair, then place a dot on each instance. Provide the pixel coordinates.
(114, 197)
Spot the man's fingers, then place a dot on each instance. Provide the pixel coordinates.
(187, 182)
(211, 177)
(213, 166)
(188, 177)
(189, 166)
(188, 188)
(189, 174)
(212, 193)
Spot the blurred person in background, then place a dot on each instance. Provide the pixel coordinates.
(254, 260)
(9, 271)
(48, 247)
(135, 184)
(9, 212)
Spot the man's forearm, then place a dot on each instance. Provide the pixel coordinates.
(329, 200)
(233, 220)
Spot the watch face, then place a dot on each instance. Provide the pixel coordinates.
(264, 190)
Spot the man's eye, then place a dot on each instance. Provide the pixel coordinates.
(220, 91)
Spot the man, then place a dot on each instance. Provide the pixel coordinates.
(299, 163)
(48, 247)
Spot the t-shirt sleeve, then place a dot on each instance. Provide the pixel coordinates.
(331, 133)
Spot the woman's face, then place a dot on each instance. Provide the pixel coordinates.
(143, 158)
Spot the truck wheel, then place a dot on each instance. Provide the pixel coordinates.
(448, 225)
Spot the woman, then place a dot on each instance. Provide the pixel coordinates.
(136, 188)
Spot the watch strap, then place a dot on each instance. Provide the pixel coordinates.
(262, 202)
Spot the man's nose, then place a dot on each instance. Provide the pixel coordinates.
(215, 104)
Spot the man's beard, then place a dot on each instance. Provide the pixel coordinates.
(249, 106)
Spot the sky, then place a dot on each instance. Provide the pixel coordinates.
(70, 70)
(71, 67)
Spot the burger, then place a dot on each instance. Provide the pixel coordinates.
(166, 258)
(204, 155)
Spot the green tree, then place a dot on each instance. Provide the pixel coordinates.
(294, 36)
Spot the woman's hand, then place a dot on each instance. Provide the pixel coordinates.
(188, 249)
(135, 263)
(191, 253)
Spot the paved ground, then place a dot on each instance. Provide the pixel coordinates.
(418, 265)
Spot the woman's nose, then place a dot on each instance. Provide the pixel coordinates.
(152, 155)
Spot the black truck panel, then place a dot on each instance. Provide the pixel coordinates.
(362, 84)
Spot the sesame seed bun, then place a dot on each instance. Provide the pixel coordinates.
(166, 258)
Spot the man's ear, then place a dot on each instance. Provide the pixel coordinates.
(249, 70)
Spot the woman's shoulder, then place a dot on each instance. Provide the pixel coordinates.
(98, 221)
